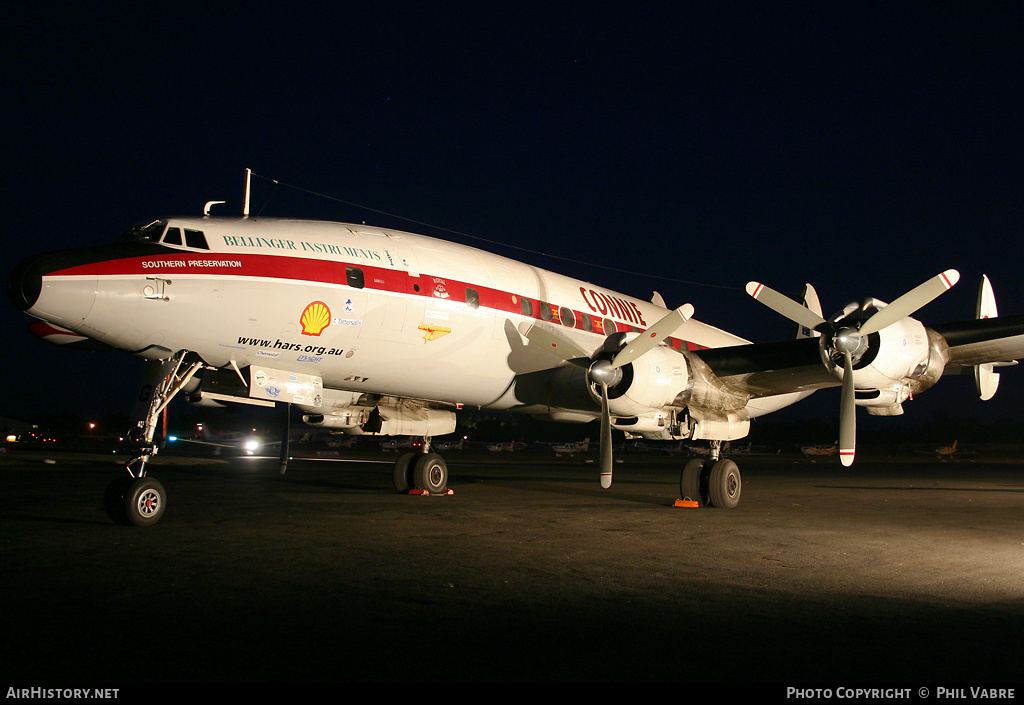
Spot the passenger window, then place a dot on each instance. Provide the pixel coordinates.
(527, 306)
(172, 236)
(567, 316)
(588, 324)
(354, 277)
(472, 298)
(195, 238)
(609, 326)
(545, 311)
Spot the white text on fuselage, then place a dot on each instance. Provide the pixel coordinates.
(198, 263)
(303, 246)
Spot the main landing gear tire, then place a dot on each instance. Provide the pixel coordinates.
(724, 484)
(712, 483)
(431, 473)
(403, 471)
(690, 482)
(421, 471)
(137, 501)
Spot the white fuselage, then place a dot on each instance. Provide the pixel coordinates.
(366, 309)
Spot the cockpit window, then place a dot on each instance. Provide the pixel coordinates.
(196, 238)
(152, 232)
(144, 233)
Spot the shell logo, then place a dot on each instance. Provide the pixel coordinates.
(315, 317)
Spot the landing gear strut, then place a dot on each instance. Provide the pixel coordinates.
(714, 482)
(137, 499)
(426, 471)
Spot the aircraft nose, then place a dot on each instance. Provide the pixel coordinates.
(25, 282)
(66, 300)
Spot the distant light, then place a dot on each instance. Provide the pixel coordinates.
(172, 438)
(12, 438)
(252, 445)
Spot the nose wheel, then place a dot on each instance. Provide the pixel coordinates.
(139, 501)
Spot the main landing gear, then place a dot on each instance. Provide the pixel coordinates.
(135, 498)
(424, 471)
(714, 482)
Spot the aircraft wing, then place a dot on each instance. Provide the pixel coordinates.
(765, 369)
(985, 340)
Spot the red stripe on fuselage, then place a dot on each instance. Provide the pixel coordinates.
(331, 272)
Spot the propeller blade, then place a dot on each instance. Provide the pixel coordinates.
(910, 302)
(606, 440)
(785, 306)
(652, 337)
(847, 415)
(555, 344)
(602, 370)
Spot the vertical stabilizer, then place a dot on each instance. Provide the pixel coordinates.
(811, 303)
(985, 380)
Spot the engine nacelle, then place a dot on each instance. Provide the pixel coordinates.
(900, 360)
(666, 379)
(652, 381)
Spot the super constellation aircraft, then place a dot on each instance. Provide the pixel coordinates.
(374, 331)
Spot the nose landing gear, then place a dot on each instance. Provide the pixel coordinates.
(137, 499)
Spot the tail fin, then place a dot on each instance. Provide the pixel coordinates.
(985, 380)
(811, 302)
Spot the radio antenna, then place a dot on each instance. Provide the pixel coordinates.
(248, 182)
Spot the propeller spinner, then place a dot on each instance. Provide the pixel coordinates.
(847, 338)
(605, 373)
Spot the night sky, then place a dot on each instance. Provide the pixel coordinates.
(861, 148)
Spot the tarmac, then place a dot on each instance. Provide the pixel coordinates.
(900, 573)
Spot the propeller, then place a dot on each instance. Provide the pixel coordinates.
(604, 372)
(847, 338)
